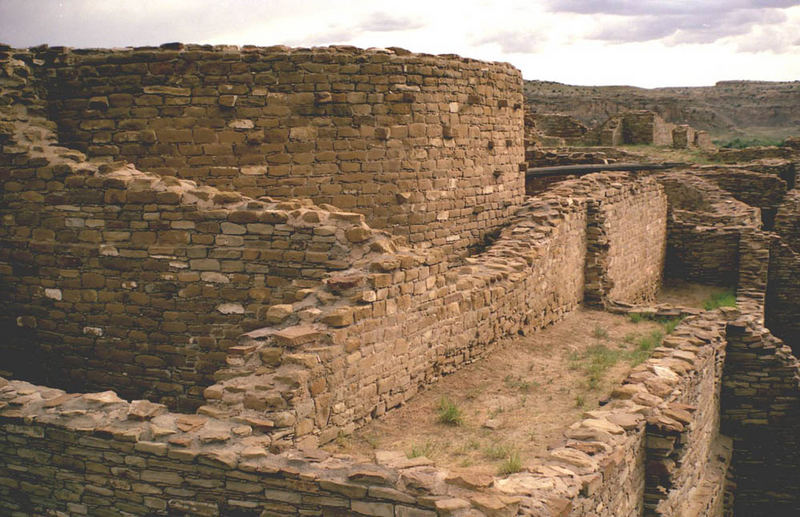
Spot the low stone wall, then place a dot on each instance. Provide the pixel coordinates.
(626, 258)
(749, 154)
(427, 146)
(97, 454)
(787, 220)
(782, 311)
(761, 411)
(416, 318)
(704, 228)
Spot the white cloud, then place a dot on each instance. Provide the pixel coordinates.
(639, 42)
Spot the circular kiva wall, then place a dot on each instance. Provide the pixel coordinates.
(426, 146)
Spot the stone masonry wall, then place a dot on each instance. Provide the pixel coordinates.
(758, 189)
(782, 311)
(426, 146)
(118, 278)
(761, 411)
(97, 454)
(415, 319)
(564, 126)
(787, 220)
(154, 277)
(645, 128)
(704, 228)
(627, 246)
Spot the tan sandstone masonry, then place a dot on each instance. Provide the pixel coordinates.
(97, 454)
(783, 294)
(427, 146)
(114, 277)
(764, 189)
(761, 411)
(416, 318)
(704, 228)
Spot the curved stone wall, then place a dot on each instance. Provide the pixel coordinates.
(427, 146)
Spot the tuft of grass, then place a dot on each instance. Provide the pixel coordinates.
(512, 464)
(417, 450)
(449, 412)
(497, 451)
(723, 299)
(637, 317)
(599, 332)
(644, 347)
(579, 401)
(517, 383)
(671, 324)
(596, 361)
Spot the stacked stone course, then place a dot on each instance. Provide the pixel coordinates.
(704, 228)
(166, 285)
(761, 411)
(431, 318)
(427, 146)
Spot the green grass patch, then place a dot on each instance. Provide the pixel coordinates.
(723, 299)
(638, 317)
(421, 449)
(512, 464)
(518, 383)
(599, 332)
(644, 347)
(497, 451)
(595, 361)
(449, 412)
(742, 143)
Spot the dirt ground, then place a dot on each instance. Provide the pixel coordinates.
(685, 294)
(517, 400)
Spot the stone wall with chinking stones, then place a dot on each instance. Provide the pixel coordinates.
(627, 243)
(118, 278)
(782, 306)
(400, 322)
(426, 146)
(704, 225)
(96, 453)
(761, 412)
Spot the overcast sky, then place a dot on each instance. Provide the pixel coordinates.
(638, 42)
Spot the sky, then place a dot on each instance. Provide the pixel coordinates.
(647, 43)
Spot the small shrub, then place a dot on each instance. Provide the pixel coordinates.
(579, 401)
(512, 464)
(449, 412)
(717, 300)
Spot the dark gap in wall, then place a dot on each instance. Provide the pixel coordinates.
(781, 305)
(768, 218)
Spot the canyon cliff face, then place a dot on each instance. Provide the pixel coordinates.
(756, 109)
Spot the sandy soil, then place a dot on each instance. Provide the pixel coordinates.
(522, 395)
(529, 388)
(685, 294)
